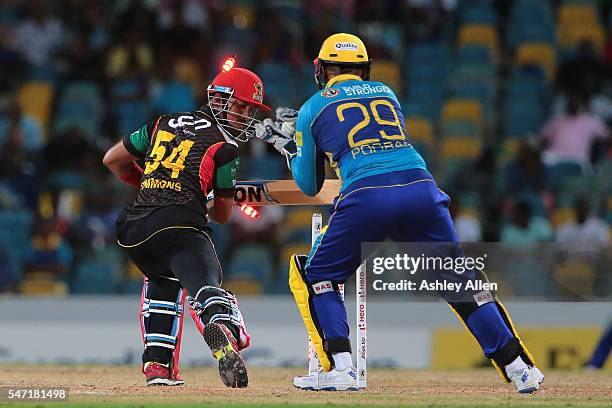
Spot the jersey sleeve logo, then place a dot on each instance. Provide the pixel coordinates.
(330, 93)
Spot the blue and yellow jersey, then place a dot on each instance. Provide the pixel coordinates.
(359, 127)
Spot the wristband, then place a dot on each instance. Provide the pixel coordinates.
(133, 175)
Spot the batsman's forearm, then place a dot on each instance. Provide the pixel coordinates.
(129, 173)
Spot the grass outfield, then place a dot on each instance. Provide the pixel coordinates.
(121, 386)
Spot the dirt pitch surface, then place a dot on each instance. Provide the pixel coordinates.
(122, 386)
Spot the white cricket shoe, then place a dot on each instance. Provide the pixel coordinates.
(333, 380)
(536, 371)
(527, 380)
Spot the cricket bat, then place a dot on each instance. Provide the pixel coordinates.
(282, 192)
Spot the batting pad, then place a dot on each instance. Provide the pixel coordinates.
(299, 288)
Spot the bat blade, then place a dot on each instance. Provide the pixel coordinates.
(283, 192)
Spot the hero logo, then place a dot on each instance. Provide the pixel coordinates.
(343, 46)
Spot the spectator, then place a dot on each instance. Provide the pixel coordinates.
(570, 137)
(7, 278)
(467, 225)
(131, 54)
(524, 228)
(20, 130)
(39, 37)
(18, 174)
(428, 20)
(279, 46)
(526, 172)
(89, 40)
(180, 39)
(584, 73)
(586, 232)
(96, 228)
(138, 16)
(194, 14)
(47, 251)
(69, 150)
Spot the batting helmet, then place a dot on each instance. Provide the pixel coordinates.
(236, 84)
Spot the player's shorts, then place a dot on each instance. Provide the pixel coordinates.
(165, 244)
(404, 206)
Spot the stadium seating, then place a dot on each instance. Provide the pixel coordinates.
(95, 277)
(460, 128)
(570, 14)
(278, 80)
(463, 109)
(174, 96)
(577, 23)
(14, 234)
(480, 34)
(250, 261)
(80, 107)
(538, 54)
(43, 284)
(189, 71)
(419, 130)
(35, 98)
(265, 167)
(560, 174)
(477, 12)
(129, 106)
(571, 36)
(522, 117)
(388, 72)
(460, 148)
(530, 21)
(288, 250)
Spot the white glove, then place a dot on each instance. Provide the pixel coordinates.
(284, 114)
(277, 134)
(287, 117)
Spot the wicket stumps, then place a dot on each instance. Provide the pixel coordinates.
(361, 294)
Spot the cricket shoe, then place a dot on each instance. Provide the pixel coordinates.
(333, 380)
(160, 374)
(540, 375)
(232, 369)
(527, 380)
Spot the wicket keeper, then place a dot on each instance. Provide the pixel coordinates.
(357, 125)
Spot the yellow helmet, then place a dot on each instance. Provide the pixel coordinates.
(344, 50)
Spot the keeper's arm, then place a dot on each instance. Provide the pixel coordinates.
(308, 165)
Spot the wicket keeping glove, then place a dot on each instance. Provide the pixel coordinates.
(278, 134)
(285, 114)
(287, 117)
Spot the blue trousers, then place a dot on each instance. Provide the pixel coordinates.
(404, 206)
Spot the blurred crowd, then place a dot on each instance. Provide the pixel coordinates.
(512, 116)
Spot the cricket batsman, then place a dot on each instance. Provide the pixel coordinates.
(164, 231)
(387, 192)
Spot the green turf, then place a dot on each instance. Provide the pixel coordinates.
(520, 404)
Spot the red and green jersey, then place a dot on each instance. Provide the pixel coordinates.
(186, 156)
